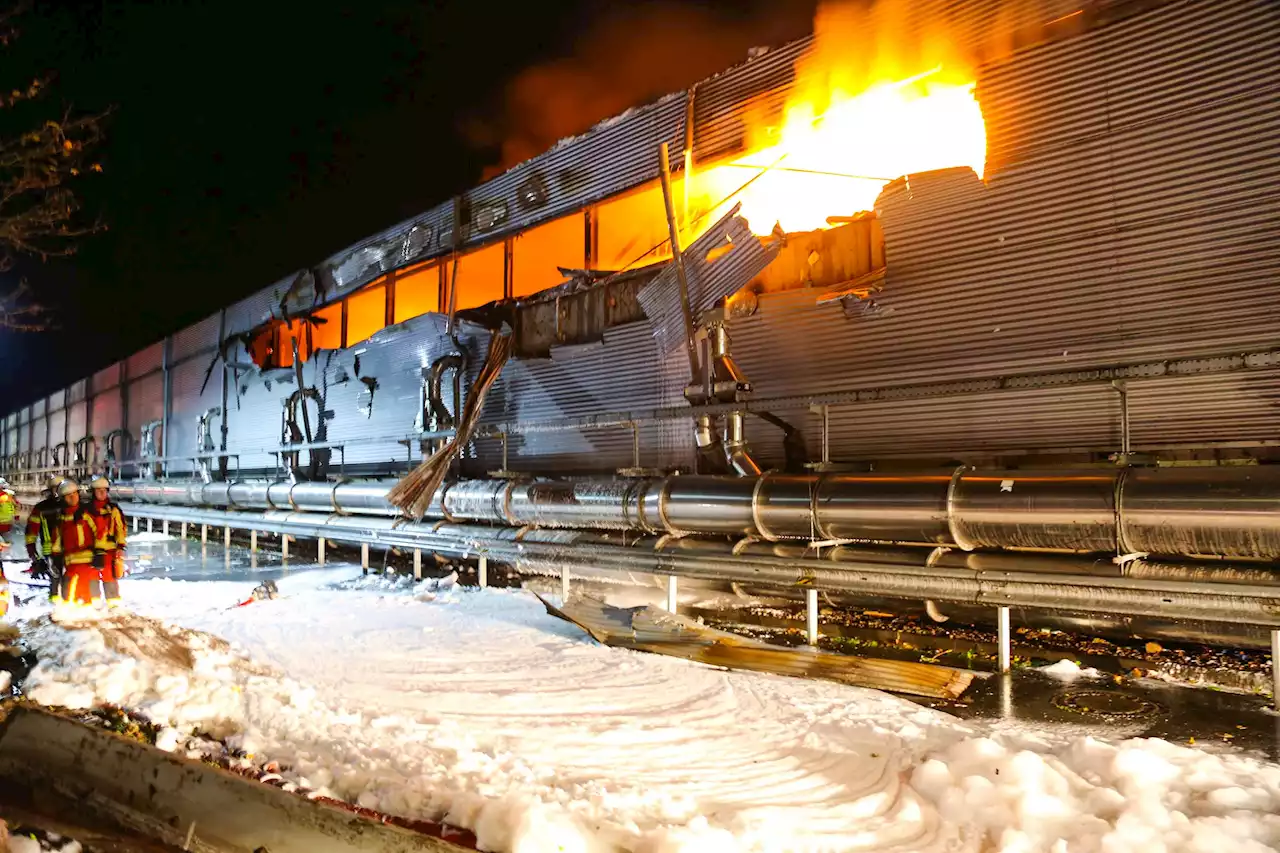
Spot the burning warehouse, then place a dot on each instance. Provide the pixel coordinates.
(936, 304)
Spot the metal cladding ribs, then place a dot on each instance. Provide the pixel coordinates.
(1223, 512)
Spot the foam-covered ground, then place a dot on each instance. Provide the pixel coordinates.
(478, 708)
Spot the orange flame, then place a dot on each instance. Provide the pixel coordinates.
(877, 98)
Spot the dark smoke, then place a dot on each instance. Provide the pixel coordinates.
(630, 57)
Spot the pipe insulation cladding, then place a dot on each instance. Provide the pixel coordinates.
(1229, 511)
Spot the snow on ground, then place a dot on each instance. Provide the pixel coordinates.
(1069, 670)
(479, 708)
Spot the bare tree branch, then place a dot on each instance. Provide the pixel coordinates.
(39, 211)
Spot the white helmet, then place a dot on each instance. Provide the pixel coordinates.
(99, 482)
(68, 486)
(53, 482)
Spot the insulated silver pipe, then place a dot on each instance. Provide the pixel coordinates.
(1212, 592)
(1183, 512)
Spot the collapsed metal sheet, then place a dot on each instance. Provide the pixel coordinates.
(711, 276)
(649, 629)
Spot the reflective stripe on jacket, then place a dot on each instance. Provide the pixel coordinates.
(41, 524)
(75, 538)
(109, 523)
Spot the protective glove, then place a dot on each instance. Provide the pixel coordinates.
(119, 567)
(40, 569)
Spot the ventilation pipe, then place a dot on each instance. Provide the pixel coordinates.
(204, 441)
(291, 433)
(737, 454)
(111, 458)
(435, 415)
(86, 454)
(723, 382)
(150, 449)
(58, 456)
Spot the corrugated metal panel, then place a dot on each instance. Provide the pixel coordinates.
(1242, 407)
(77, 420)
(34, 436)
(146, 402)
(620, 373)
(396, 358)
(55, 401)
(187, 404)
(57, 429)
(1133, 216)
(255, 309)
(254, 422)
(106, 412)
(77, 391)
(1043, 419)
(196, 337)
(146, 360)
(35, 410)
(107, 377)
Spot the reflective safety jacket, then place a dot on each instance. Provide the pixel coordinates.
(108, 521)
(41, 524)
(8, 507)
(75, 537)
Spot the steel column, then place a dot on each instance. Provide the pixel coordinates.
(1002, 632)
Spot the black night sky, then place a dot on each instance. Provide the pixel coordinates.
(248, 140)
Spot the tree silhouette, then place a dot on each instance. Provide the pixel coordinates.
(39, 210)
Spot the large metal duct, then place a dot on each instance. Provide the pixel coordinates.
(1188, 512)
(1213, 591)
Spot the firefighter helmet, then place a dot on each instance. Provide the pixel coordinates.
(99, 482)
(68, 486)
(54, 481)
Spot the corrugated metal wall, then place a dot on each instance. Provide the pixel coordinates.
(1130, 212)
(188, 403)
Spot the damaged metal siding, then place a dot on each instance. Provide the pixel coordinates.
(1132, 215)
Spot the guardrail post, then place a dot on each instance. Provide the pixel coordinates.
(204, 534)
(811, 616)
(364, 557)
(673, 597)
(150, 528)
(135, 524)
(284, 546)
(417, 564)
(253, 541)
(184, 528)
(226, 537)
(164, 527)
(483, 576)
(320, 550)
(1275, 670)
(1002, 636)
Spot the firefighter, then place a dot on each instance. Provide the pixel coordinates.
(76, 547)
(111, 537)
(8, 508)
(41, 525)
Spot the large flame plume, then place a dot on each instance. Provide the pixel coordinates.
(882, 94)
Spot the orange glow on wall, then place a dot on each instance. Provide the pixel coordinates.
(539, 252)
(327, 335)
(480, 277)
(366, 313)
(417, 291)
(631, 225)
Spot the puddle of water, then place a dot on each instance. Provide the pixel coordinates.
(192, 560)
